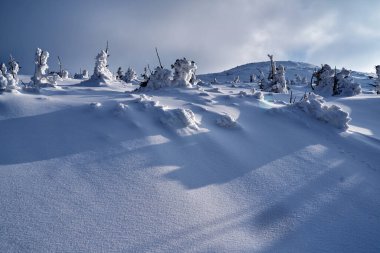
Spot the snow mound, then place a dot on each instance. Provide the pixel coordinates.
(255, 94)
(226, 121)
(315, 106)
(95, 105)
(120, 109)
(174, 118)
(179, 118)
(146, 102)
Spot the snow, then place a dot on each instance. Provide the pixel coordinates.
(198, 169)
(314, 106)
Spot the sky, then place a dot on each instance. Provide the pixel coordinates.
(217, 35)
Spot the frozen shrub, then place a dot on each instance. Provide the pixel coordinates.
(83, 75)
(160, 78)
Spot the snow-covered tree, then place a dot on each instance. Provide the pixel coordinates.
(14, 67)
(184, 71)
(215, 81)
(4, 69)
(41, 69)
(279, 81)
(3, 82)
(7, 81)
(160, 78)
(330, 83)
(101, 71)
(276, 79)
(64, 74)
(83, 75)
(130, 75)
(237, 79)
(346, 85)
(252, 78)
(119, 74)
(377, 82)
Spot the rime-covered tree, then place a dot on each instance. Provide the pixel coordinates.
(237, 79)
(331, 83)
(377, 82)
(101, 72)
(82, 75)
(279, 81)
(346, 85)
(64, 74)
(119, 74)
(276, 81)
(130, 75)
(4, 69)
(183, 72)
(41, 68)
(14, 67)
(7, 81)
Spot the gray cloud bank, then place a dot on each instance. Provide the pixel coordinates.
(216, 34)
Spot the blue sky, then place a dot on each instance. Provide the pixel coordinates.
(216, 34)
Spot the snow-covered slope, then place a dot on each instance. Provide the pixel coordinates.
(292, 68)
(244, 71)
(213, 169)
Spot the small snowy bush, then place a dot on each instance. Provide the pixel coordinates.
(83, 75)
(160, 78)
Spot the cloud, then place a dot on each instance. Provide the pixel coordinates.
(216, 34)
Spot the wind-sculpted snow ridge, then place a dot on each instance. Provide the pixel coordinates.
(178, 118)
(314, 106)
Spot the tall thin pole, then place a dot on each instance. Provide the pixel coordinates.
(159, 60)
